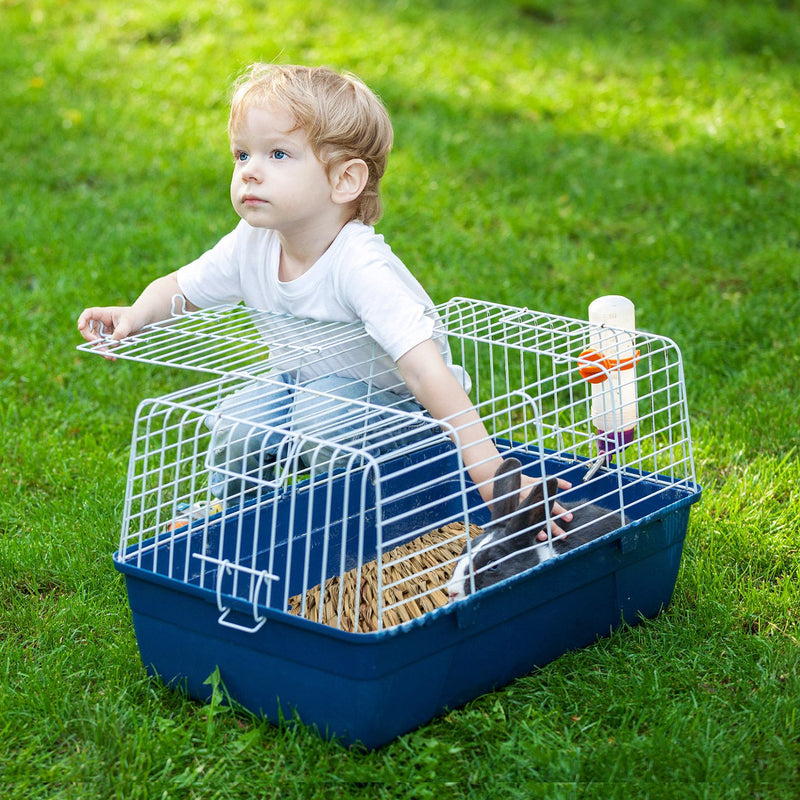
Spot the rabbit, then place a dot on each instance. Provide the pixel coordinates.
(509, 544)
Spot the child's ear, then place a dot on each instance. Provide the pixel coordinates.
(348, 180)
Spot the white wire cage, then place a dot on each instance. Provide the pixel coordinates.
(355, 518)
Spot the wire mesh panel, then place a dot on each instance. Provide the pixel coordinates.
(274, 491)
(529, 373)
(317, 511)
(235, 340)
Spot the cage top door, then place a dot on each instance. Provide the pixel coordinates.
(230, 340)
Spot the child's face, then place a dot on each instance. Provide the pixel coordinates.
(277, 180)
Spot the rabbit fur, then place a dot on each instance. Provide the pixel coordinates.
(509, 544)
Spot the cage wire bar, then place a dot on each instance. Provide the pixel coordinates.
(357, 520)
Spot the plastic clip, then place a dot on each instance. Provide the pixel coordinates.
(595, 366)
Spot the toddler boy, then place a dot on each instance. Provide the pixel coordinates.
(309, 148)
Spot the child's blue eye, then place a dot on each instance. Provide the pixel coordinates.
(242, 157)
(279, 155)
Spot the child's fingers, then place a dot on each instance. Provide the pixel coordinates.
(96, 323)
(559, 512)
(90, 322)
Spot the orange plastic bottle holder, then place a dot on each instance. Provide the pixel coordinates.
(595, 367)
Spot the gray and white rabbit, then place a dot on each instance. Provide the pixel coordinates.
(509, 543)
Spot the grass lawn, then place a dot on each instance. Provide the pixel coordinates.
(546, 153)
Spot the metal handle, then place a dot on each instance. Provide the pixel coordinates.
(244, 628)
(226, 568)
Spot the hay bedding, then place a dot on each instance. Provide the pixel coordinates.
(415, 569)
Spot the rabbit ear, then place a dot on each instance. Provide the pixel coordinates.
(552, 489)
(507, 483)
(532, 511)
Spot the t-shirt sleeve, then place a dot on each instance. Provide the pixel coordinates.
(214, 278)
(392, 312)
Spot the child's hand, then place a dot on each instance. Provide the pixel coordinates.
(116, 321)
(155, 303)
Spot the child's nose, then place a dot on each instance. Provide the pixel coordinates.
(251, 172)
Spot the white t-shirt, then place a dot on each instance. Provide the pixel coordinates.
(357, 280)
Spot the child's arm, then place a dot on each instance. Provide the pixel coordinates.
(437, 388)
(153, 304)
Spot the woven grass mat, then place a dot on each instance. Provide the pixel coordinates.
(415, 569)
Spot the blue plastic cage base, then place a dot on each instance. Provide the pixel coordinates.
(369, 688)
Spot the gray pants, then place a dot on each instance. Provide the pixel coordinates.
(262, 429)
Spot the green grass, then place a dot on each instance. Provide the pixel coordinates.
(546, 153)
